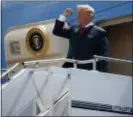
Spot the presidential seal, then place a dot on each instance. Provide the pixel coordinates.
(37, 41)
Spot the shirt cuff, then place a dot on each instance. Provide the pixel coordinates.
(62, 18)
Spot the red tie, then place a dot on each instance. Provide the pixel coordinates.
(82, 29)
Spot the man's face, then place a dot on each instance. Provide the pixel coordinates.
(84, 16)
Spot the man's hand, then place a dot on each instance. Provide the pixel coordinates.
(68, 12)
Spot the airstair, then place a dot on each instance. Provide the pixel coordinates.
(56, 91)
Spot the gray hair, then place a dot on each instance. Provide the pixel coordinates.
(88, 7)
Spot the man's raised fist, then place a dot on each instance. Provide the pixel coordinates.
(68, 12)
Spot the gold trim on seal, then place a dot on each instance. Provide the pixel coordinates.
(45, 46)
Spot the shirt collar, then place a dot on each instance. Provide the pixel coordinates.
(90, 24)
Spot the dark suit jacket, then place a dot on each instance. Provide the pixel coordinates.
(94, 41)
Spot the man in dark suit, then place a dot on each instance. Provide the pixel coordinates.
(85, 39)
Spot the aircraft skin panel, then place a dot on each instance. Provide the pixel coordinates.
(29, 25)
(55, 47)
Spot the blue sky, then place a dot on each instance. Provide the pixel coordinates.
(20, 13)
